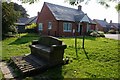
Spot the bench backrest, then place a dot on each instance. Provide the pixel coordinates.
(49, 40)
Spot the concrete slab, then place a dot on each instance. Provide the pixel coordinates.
(9, 76)
(5, 70)
(2, 64)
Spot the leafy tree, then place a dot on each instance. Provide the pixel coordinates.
(21, 9)
(9, 16)
(118, 7)
(28, 1)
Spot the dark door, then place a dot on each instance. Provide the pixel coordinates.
(80, 29)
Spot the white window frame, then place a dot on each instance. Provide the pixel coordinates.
(49, 25)
(40, 26)
(68, 25)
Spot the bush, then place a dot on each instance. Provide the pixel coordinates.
(94, 34)
(112, 31)
(90, 31)
(97, 34)
(101, 33)
(117, 32)
(30, 30)
(32, 26)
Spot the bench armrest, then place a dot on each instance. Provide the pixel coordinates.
(58, 47)
(35, 42)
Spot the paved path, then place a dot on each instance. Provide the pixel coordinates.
(113, 36)
(7, 71)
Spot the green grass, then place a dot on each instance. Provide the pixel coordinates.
(1, 75)
(99, 59)
(17, 46)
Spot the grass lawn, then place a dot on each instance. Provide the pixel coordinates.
(99, 59)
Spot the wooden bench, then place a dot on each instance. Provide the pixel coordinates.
(48, 48)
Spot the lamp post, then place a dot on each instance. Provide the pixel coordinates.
(75, 42)
(84, 36)
(83, 40)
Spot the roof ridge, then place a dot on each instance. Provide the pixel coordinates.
(60, 5)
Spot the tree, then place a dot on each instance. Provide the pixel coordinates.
(28, 1)
(118, 7)
(9, 16)
(21, 9)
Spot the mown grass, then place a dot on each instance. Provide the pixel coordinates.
(1, 75)
(17, 45)
(99, 59)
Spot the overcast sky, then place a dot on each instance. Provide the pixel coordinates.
(93, 10)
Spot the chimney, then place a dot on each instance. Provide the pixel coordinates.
(79, 8)
(105, 19)
(38, 13)
(110, 21)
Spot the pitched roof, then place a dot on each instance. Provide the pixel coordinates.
(22, 20)
(31, 20)
(102, 23)
(65, 13)
(117, 25)
(84, 18)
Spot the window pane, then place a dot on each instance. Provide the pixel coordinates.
(40, 26)
(64, 26)
(49, 25)
(67, 27)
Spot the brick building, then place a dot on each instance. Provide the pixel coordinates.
(58, 20)
(102, 25)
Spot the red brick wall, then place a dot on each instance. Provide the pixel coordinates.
(62, 33)
(93, 26)
(98, 26)
(46, 16)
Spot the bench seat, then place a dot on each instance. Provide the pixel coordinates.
(42, 47)
(48, 48)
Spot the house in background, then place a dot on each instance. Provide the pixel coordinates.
(58, 20)
(31, 20)
(102, 25)
(115, 26)
(20, 24)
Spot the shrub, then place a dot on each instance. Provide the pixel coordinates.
(90, 31)
(32, 26)
(117, 32)
(112, 31)
(97, 34)
(101, 33)
(94, 34)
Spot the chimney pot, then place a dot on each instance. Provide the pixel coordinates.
(105, 19)
(38, 13)
(79, 8)
(110, 21)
